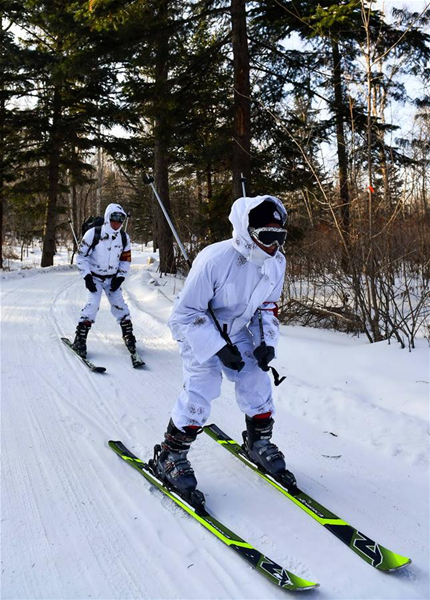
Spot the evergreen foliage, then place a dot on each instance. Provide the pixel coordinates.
(297, 95)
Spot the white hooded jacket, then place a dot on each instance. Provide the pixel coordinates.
(236, 277)
(109, 257)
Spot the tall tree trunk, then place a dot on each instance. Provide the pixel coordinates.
(424, 188)
(371, 270)
(53, 184)
(379, 106)
(99, 180)
(164, 236)
(209, 182)
(2, 158)
(2, 182)
(242, 103)
(73, 207)
(339, 112)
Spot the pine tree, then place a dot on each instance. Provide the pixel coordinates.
(72, 79)
(15, 116)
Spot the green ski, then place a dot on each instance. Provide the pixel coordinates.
(376, 555)
(264, 565)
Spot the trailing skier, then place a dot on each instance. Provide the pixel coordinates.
(237, 281)
(103, 261)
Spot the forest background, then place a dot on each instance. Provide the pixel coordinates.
(325, 105)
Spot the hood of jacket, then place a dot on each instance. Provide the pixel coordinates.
(111, 208)
(239, 218)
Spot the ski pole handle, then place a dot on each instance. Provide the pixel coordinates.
(277, 380)
(260, 323)
(221, 330)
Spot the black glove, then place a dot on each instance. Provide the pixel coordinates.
(231, 357)
(264, 354)
(116, 283)
(89, 283)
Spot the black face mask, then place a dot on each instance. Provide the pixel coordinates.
(269, 236)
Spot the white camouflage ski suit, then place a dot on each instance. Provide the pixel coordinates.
(107, 259)
(237, 278)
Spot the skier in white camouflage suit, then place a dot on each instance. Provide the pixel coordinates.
(104, 268)
(241, 278)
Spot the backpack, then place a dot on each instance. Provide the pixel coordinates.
(97, 223)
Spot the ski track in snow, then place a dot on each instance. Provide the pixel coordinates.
(78, 523)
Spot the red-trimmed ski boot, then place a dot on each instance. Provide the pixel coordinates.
(171, 465)
(263, 452)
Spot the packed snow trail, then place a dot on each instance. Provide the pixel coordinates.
(76, 524)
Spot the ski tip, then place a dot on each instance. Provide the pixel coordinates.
(307, 588)
(391, 561)
(297, 584)
(402, 566)
(399, 562)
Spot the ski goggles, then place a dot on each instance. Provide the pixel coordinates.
(269, 236)
(118, 217)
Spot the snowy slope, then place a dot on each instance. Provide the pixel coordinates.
(78, 523)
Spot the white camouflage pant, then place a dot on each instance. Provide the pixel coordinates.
(118, 307)
(202, 384)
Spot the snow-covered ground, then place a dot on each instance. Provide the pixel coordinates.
(78, 523)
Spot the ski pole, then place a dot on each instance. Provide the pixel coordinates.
(126, 221)
(243, 182)
(150, 180)
(73, 232)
